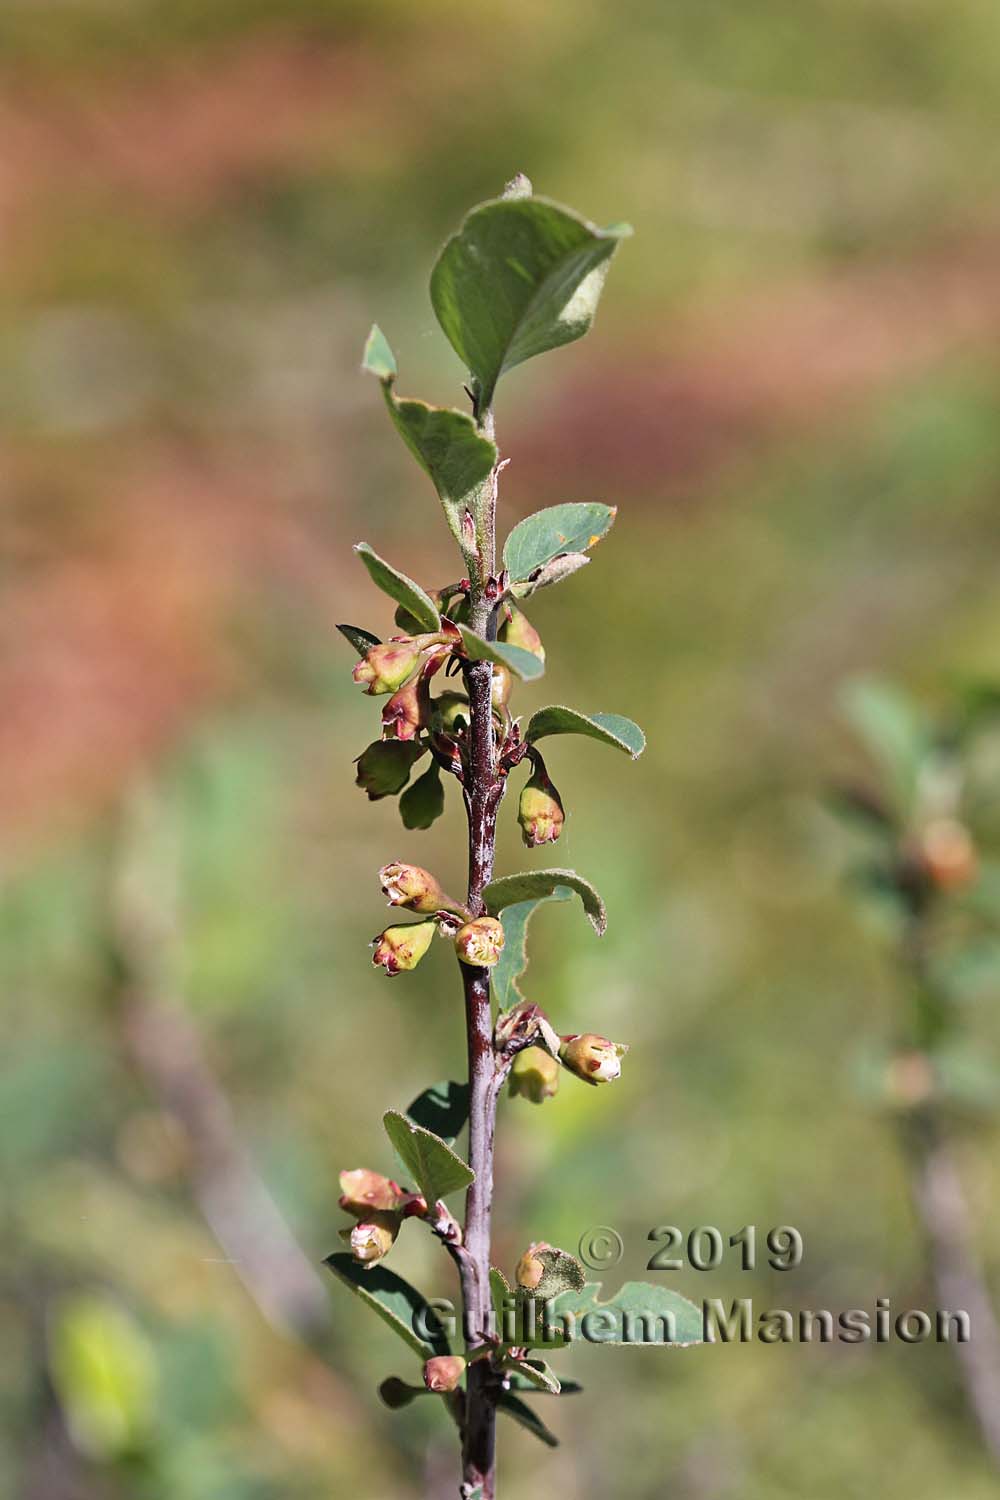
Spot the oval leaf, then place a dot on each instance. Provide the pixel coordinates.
(446, 443)
(550, 533)
(522, 1413)
(394, 1300)
(513, 958)
(434, 1167)
(521, 276)
(537, 884)
(536, 1375)
(405, 592)
(639, 1313)
(611, 729)
(523, 664)
(442, 1109)
(423, 802)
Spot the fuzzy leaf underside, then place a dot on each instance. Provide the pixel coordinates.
(446, 443)
(536, 885)
(434, 1166)
(442, 1109)
(521, 276)
(514, 958)
(637, 1309)
(394, 1300)
(558, 530)
(400, 588)
(523, 664)
(610, 729)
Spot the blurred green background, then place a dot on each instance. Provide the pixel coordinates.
(791, 393)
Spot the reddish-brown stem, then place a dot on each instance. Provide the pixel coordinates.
(483, 789)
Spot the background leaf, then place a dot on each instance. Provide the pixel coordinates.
(574, 527)
(423, 802)
(378, 359)
(513, 959)
(516, 1408)
(394, 1300)
(442, 1109)
(892, 730)
(521, 276)
(535, 885)
(611, 729)
(405, 592)
(524, 664)
(435, 1168)
(682, 1320)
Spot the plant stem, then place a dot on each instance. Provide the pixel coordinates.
(483, 790)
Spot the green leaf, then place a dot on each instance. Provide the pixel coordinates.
(610, 729)
(536, 1374)
(516, 1408)
(554, 571)
(535, 885)
(531, 1388)
(499, 1295)
(561, 1272)
(637, 1310)
(521, 276)
(523, 664)
(361, 640)
(423, 802)
(396, 1393)
(378, 359)
(443, 1109)
(435, 1168)
(513, 959)
(892, 729)
(550, 533)
(405, 592)
(104, 1370)
(446, 443)
(384, 766)
(394, 1300)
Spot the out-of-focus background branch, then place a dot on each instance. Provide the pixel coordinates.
(792, 397)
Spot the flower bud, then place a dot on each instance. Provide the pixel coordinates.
(948, 854)
(443, 1372)
(517, 630)
(540, 810)
(501, 685)
(407, 711)
(387, 666)
(592, 1058)
(399, 948)
(363, 1191)
(535, 1074)
(480, 942)
(372, 1237)
(412, 887)
(529, 1270)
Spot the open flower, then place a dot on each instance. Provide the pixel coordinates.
(480, 942)
(593, 1058)
(401, 948)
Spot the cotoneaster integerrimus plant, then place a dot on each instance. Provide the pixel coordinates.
(522, 276)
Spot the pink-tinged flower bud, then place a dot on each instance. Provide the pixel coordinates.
(443, 1372)
(948, 854)
(535, 1075)
(407, 711)
(517, 630)
(362, 1191)
(501, 685)
(401, 948)
(412, 887)
(480, 942)
(593, 1058)
(529, 1270)
(386, 667)
(372, 1237)
(540, 810)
